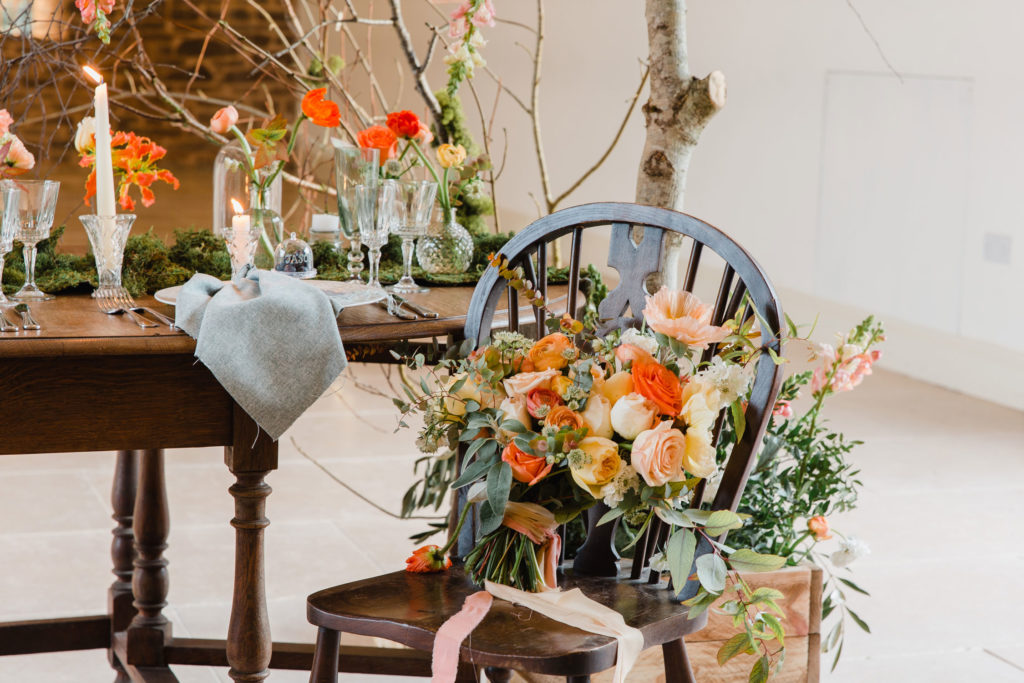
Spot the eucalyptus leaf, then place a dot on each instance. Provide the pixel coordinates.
(679, 552)
(711, 571)
(499, 481)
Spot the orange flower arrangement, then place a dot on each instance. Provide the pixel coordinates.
(135, 164)
(320, 111)
(553, 351)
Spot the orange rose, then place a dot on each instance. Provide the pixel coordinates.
(320, 111)
(553, 351)
(627, 353)
(539, 398)
(404, 124)
(683, 316)
(658, 454)
(657, 383)
(379, 137)
(564, 416)
(526, 468)
(819, 527)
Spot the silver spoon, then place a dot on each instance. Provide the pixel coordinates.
(27, 321)
(6, 325)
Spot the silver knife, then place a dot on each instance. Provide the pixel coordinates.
(425, 312)
(396, 310)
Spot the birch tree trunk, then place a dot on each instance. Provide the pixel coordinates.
(679, 108)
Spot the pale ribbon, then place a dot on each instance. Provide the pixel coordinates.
(448, 640)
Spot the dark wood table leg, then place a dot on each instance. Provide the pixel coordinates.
(149, 631)
(251, 457)
(122, 549)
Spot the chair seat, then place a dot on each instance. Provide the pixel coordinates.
(409, 608)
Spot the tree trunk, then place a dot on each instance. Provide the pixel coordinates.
(677, 111)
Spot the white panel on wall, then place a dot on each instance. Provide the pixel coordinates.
(892, 217)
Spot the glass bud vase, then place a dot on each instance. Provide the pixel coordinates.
(447, 248)
(230, 181)
(267, 222)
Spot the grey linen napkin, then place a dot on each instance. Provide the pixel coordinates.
(271, 341)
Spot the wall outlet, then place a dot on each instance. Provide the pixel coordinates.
(996, 248)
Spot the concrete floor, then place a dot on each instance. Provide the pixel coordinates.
(944, 493)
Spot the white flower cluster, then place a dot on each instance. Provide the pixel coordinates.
(640, 340)
(466, 52)
(511, 341)
(851, 548)
(732, 381)
(614, 491)
(659, 562)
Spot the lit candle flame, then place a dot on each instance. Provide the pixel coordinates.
(237, 206)
(93, 74)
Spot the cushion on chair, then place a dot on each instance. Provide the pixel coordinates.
(409, 608)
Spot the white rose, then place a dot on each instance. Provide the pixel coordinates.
(850, 548)
(631, 415)
(597, 417)
(84, 134)
(640, 340)
(525, 382)
(699, 459)
(514, 408)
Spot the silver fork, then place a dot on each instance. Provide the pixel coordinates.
(107, 304)
(125, 300)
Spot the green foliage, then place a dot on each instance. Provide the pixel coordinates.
(453, 120)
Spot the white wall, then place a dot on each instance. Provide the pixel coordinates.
(758, 173)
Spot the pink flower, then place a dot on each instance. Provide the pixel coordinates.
(484, 16)
(457, 25)
(683, 316)
(88, 8)
(18, 158)
(6, 121)
(423, 135)
(223, 120)
(783, 409)
(848, 372)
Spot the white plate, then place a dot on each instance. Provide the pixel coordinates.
(349, 293)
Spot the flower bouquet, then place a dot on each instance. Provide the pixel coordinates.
(549, 428)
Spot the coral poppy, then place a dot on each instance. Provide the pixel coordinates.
(322, 112)
(404, 124)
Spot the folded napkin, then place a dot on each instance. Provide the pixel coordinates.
(271, 341)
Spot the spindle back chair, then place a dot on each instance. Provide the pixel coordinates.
(380, 606)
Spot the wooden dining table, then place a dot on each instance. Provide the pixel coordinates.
(88, 381)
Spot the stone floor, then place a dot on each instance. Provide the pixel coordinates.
(944, 493)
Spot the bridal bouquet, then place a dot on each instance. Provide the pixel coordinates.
(551, 427)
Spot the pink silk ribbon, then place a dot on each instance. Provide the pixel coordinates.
(448, 640)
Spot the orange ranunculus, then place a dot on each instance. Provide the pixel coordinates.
(657, 383)
(538, 398)
(819, 527)
(322, 112)
(553, 351)
(379, 137)
(451, 156)
(224, 119)
(526, 468)
(683, 316)
(404, 124)
(631, 353)
(427, 559)
(564, 416)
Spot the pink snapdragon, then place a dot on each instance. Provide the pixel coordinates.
(6, 120)
(87, 8)
(847, 370)
(481, 17)
(783, 409)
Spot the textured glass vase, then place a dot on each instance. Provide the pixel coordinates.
(230, 181)
(447, 248)
(107, 237)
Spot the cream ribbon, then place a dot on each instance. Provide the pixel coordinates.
(576, 609)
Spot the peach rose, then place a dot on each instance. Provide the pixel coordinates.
(819, 527)
(525, 382)
(540, 402)
(223, 120)
(683, 316)
(564, 417)
(699, 459)
(552, 351)
(617, 386)
(597, 417)
(514, 408)
(601, 466)
(526, 468)
(630, 353)
(658, 454)
(631, 415)
(660, 385)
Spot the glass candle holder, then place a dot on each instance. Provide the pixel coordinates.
(107, 237)
(31, 204)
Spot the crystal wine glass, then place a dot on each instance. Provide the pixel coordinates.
(353, 166)
(414, 200)
(8, 225)
(375, 214)
(34, 203)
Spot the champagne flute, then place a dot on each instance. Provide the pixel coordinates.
(375, 214)
(353, 166)
(413, 204)
(34, 203)
(8, 226)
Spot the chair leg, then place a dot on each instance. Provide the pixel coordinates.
(325, 657)
(677, 663)
(577, 679)
(496, 675)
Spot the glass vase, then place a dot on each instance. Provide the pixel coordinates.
(266, 222)
(107, 237)
(230, 181)
(447, 248)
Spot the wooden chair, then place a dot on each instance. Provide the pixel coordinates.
(409, 608)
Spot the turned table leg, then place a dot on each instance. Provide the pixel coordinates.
(149, 631)
(251, 457)
(122, 547)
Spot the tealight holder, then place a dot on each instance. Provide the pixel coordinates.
(108, 236)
